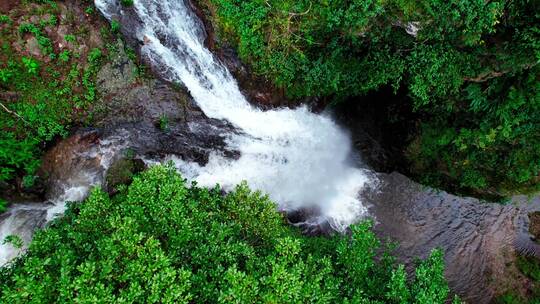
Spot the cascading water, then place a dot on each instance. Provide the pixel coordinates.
(299, 158)
(86, 170)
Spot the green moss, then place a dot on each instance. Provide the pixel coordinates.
(115, 26)
(122, 172)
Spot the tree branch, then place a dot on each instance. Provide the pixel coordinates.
(492, 74)
(13, 113)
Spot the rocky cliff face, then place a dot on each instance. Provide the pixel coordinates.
(478, 238)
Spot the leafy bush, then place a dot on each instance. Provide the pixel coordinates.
(5, 19)
(70, 37)
(163, 123)
(44, 107)
(31, 65)
(530, 267)
(89, 10)
(64, 56)
(14, 240)
(44, 42)
(160, 241)
(115, 26)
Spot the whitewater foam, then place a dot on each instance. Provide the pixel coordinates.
(299, 158)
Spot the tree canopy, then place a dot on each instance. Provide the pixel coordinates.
(161, 241)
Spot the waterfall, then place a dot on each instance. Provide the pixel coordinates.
(299, 158)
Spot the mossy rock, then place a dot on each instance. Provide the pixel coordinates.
(121, 172)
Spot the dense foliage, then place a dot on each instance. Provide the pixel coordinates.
(43, 89)
(160, 241)
(470, 68)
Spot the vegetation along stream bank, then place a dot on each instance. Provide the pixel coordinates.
(277, 151)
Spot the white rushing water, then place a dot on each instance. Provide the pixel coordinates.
(299, 158)
(88, 171)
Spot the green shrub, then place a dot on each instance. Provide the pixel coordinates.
(53, 20)
(64, 56)
(530, 267)
(160, 241)
(89, 10)
(163, 123)
(45, 44)
(28, 28)
(31, 65)
(46, 106)
(70, 38)
(4, 19)
(115, 26)
(5, 75)
(94, 56)
(14, 240)
(127, 2)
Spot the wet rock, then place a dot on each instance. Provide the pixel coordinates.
(526, 242)
(27, 217)
(534, 227)
(117, 74)
(309, 221)
(65, 160)
(257, 89)
(148, 101)
(477, 238)
(121, 172)
(191, 141)
(128, 99)
(379, 139)
(32, 46)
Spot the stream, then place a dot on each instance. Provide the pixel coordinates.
(304, 161)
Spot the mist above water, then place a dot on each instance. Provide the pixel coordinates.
(299, 158)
